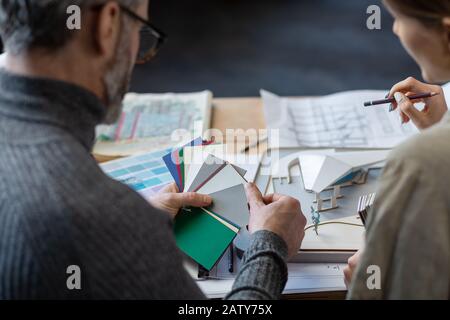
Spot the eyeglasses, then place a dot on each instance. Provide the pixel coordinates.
(151, 38)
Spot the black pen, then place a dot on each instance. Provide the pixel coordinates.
(231, 260)
(391, 100)
(256, 144)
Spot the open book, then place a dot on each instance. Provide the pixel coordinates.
(148, 122)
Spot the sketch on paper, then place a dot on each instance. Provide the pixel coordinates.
(337, 120)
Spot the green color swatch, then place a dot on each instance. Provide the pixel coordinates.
(181, 161)
(201, 236)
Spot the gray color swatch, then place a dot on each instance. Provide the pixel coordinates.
(231, 204)
(209, 168)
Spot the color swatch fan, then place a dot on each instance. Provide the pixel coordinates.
(204, 234)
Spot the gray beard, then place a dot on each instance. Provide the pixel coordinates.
(117, 81)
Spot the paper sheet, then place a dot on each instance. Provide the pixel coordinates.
(303, 278)
(338, 120)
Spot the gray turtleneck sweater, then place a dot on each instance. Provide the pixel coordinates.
(57, 209)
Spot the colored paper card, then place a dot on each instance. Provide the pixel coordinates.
(194, 157)
(176, 157)
(241, 171)
(172, 161)
(222, 221)
(231, 205)
(180, 166)
(210, 167)
(202, 236)
(226, 178)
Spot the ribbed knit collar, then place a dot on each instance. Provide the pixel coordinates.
(54, 102)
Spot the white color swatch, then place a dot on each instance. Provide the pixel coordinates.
(226, 178)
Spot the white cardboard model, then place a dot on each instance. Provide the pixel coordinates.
(322, 171)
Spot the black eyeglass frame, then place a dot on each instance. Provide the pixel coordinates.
(161, 37)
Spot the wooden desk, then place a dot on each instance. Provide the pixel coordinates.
(237, 113)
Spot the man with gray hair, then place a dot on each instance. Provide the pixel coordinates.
(59, 213)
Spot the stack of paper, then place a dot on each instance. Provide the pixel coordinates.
(205, 233)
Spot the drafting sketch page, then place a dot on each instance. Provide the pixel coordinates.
(337, 120)
(148, 121)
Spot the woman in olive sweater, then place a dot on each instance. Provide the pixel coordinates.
(407, 237)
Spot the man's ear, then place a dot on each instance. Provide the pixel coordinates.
(446, 25)
(107, 34)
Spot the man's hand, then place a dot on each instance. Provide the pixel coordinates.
(279, 214)
(435, 107)
(170, 200)
(352, 263)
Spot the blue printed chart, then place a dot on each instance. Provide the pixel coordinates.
(146, 173)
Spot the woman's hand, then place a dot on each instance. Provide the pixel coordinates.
(435, 107)
(352, 263)
(170, 200)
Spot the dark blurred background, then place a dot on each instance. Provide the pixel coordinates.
(291, 47)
